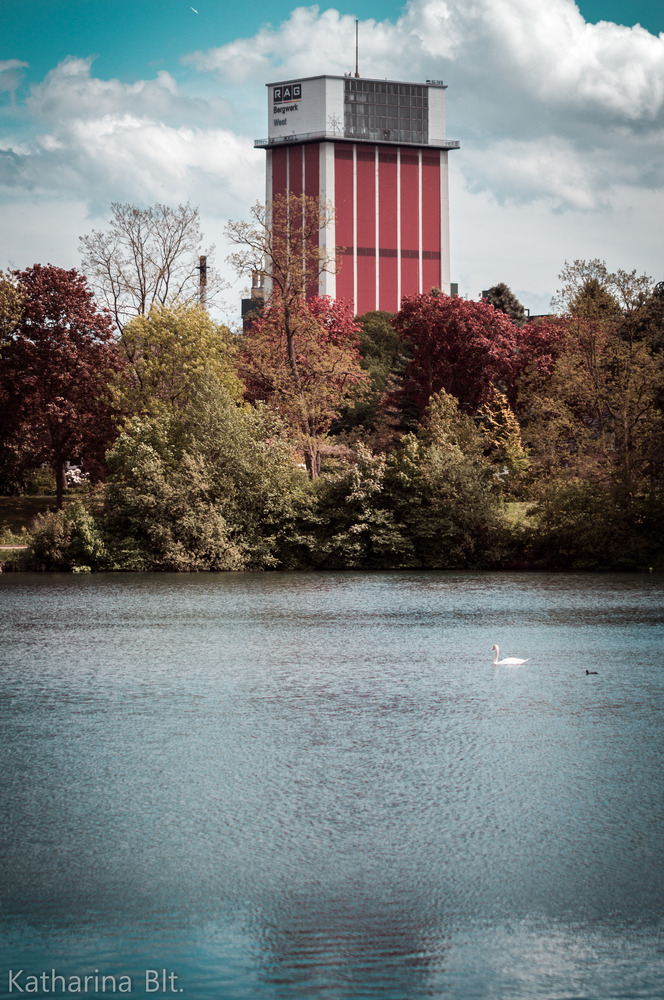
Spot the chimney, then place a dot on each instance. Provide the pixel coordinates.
(202, 280)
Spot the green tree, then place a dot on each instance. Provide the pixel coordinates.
(168, 352)
(443, 425)
(356, 529)
(441, 492)
(161, 511)
(212, 486)
(599, 413)
(594, 302)
(430, 504)
(67, 540)
(592, 292)
(11, 307)
(382, 357)
(591, 526)
(503, 445)
(502, 297)
(647, 322)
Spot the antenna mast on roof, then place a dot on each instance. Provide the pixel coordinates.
(357, 48)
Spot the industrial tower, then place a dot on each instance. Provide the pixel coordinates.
(376, 150)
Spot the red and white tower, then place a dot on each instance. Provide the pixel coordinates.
(376, 150)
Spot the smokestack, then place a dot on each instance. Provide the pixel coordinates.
(357, 48)
(202, 280)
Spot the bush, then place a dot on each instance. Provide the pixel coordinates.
(67, 540)
(40, 482)
(588, 526)
(160, 514)
(355, 529)
(213, 487)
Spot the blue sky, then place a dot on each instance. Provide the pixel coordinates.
(559, 108)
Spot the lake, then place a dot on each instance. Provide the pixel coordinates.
(294, 786)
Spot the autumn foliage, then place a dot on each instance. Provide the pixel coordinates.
(459, 346)
(55, 368)
(466, 348)
(417, 430)
(306, 366)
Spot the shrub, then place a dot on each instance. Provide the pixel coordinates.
(67, 540)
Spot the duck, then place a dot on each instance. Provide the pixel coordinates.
(508, 661)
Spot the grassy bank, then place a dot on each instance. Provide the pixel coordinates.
(17, 514)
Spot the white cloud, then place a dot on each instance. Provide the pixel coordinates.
(71, 92)
(545, 104)
(11, 74)
(526, 245)
(538, 52)
(296, 47)
(561, 124)
(128, 142)
(549, 49)
(94, 141)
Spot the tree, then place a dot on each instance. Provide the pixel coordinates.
(598, 416)
(381, 357)
(356, 528)
(67, 539)
(441, 492)
(612, 359)
(590, 291)
(501, 297)
(11, 311)
(584, 525)
(284, 243)
(54, 374)
(168, 352)
(647, 323)
(161, 511)
(503, 446)
(147, 257)
(11, 307)
(462, 347)
(213, 486)
(306, 366)
(445, 426)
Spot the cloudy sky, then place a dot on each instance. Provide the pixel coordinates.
(559, 108)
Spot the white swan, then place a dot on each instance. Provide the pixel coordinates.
(509, 661)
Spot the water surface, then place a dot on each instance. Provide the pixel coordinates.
(318, 786)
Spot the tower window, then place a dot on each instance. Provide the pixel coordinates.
(372, 108)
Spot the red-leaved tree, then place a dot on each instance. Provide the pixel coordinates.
(459, 346)
(54, 369)
(465, 348)
(307, 367)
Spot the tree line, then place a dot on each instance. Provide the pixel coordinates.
(318, 439)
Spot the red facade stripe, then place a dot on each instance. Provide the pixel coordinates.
(366, 228)
(430, 222)
(279, 168)
(343, 197)
(387, 229)
(312, 154)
